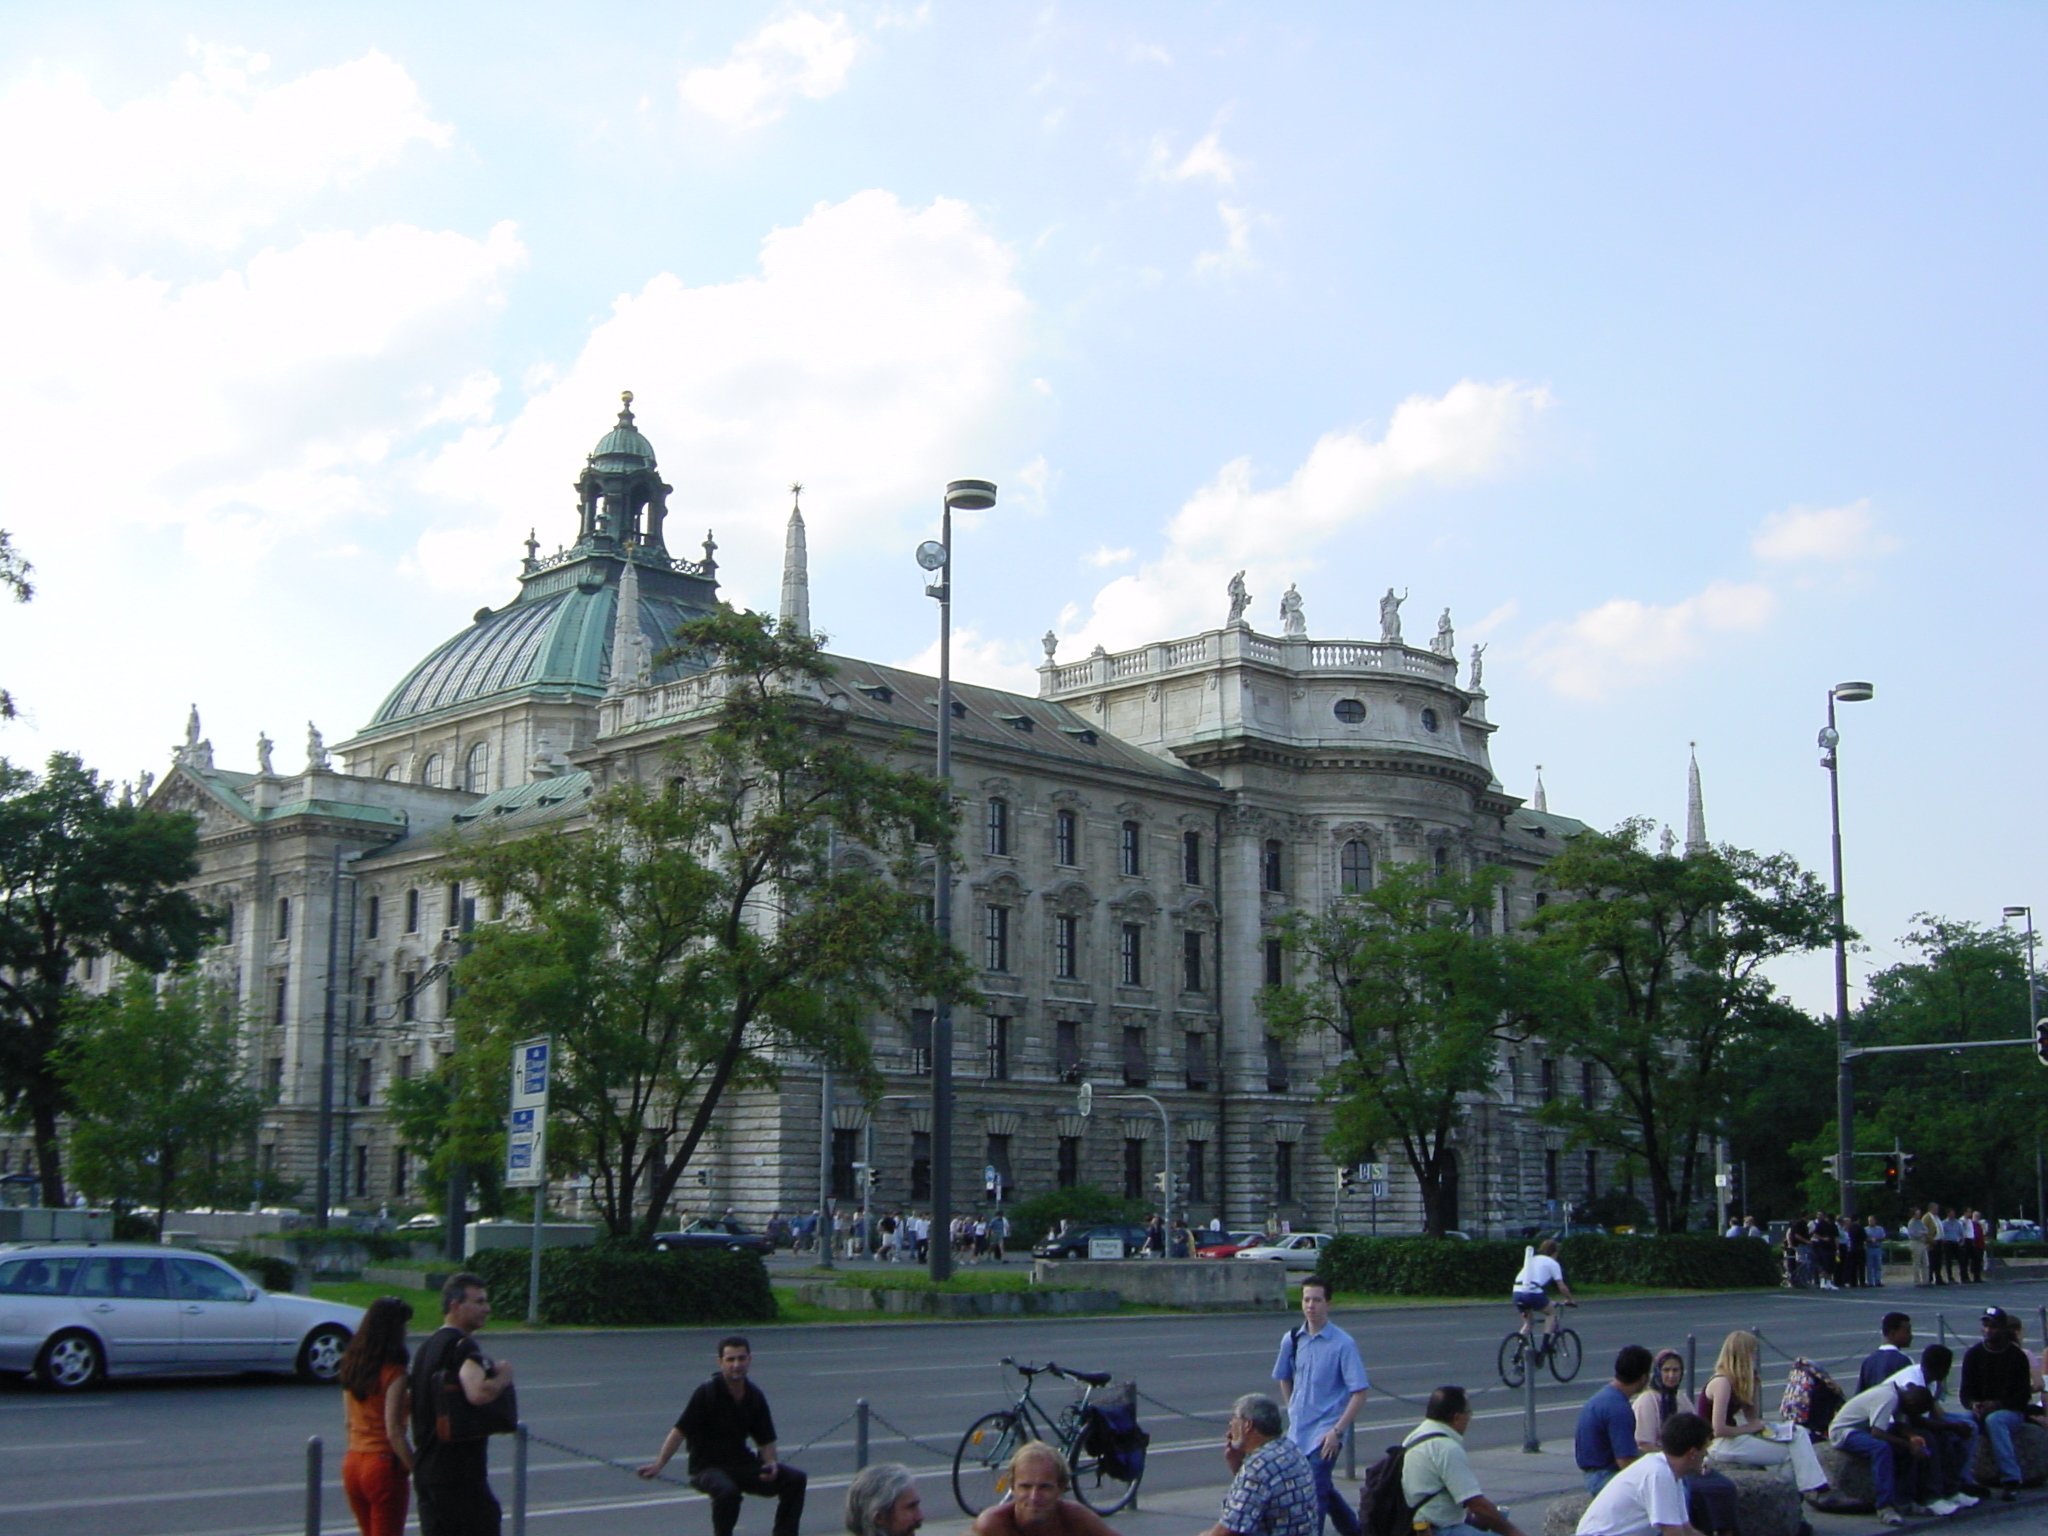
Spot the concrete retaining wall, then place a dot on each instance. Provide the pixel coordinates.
(860, 1298)
(55, 1224)
(1211, 1284)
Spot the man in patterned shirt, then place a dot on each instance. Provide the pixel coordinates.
(1274, 1491)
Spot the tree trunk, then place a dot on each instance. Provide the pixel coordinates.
(43, 1120)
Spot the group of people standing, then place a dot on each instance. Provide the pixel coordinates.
(1833, 1254)
(1947, 1245)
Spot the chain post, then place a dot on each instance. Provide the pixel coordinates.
(519, 1452)
(1351, 1450)
(313, 1450)
(1941, 1323)
(1692, 1357)
(1531, 1363)
(860, 1434)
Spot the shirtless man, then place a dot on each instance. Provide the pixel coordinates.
(1038, 1505)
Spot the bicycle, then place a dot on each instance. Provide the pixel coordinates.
(1560, 1350)
(981, 1465)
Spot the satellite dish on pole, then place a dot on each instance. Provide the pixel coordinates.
(1087, 1097)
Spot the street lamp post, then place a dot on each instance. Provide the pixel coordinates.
(1845, 1096)
(936, 556)
(2033, 1029)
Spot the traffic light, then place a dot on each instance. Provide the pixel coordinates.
(1892, 1173)
(1905, 1165)
(874, 1176)
(1833, 1164)
(1159, 1181)
(2041, 1040)
(1347, 1176)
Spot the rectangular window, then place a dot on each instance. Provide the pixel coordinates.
(284, 919)
(369, 1002)
(454, 905)
(1191, 858)
(404, 1069)
(998, 1047)
(1589, 1083)
(408, 1004)
(1275, 952)
(1549, 1081)
(399, 1158)
(364, 1067)
(998, 826)
(448, 996)
(373, 917)
(1198, 1170)
(1271, 875)
(999, 1159)
(1283, 1170)
(273, 1077)
(996, 936)
(1131, 954)
(362, 1172)
(277, 1013)
(845, 1153)
(921, 1041)
(1067, 1050)
(1067, 1171)
(227, 923)
(1198, 1061)
(1592, 1174)
(1066, 944)
(1134, 1168)
(1131, 849)
(412, 911)
(920, 1165)
(1550, 1173)
(1066, 840)
(1137, 1068)
(1191, 962)
(1276, 1064)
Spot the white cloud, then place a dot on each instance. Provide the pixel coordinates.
(1103, 555)
(1206, 158)
(872, 352)
(1236, 254)
(209, 158)
(1493, 620)
(1006, 664)
(1624, 643)
(799, 53)
(1821, 533)
(1470, 431)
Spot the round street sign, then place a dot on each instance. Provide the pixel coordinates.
(1087, 1100)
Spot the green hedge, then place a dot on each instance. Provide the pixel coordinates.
(1427, 1266)
(271, 1274)
(1086, 1205)
(614, 1286)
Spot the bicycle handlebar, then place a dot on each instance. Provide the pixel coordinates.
(1052, 1368)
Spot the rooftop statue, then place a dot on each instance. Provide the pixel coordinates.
(1445, 643)
(1292, 620)
(1390, 617)
(1240, 598)
(263, 746)
(1051, 642)
(1478, 666)
(317, 760)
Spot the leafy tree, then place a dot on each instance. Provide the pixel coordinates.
(160, 1097)
(452, 1131)
(13, 581)
(1785, 1099)
(1656, 974)
(82, 876)
(1420, 998)
(673, 936)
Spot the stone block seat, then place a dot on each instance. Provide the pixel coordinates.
(1766, 1501)
(2031, 1446)
(1847, 1474)
(1565, 1512)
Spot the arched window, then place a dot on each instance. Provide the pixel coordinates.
(430, 771)
(1443, 860)
(390, 771)
(998, 825)
(476, 772)
(1354, 869)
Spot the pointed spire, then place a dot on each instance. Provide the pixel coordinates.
(1539, 801)
(1695, 806)
(629, 646)
(796, 567)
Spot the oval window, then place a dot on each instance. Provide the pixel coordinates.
(1350, 711)
(1429, 719)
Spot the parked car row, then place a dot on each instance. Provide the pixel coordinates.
(73, 1314)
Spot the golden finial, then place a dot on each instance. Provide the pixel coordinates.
(626, 395)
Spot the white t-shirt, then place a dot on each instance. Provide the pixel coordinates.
(1640, 1497)
(1538, 1270)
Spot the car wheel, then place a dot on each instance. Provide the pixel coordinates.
(320, 1355)
(71, 1362)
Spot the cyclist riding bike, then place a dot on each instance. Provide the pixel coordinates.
(1540, 1272)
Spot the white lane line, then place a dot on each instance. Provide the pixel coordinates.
(907, 1370)
(556, 1386)
(69, 1445)
(46, 1407)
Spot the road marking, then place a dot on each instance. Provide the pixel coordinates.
(69, 1445)
(556, 1386)
(46, 1407)
(909, 1370)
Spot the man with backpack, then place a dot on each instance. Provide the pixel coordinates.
(1322, 1382)
(451, 1472)
(1437, 1488)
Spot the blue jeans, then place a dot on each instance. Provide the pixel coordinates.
(2000, 1425)
(1874, 1259)
(1335, 1505)
(1954, 1440)
(1595, 1481)
(1887, 1462)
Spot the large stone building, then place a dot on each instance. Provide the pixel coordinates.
(1130, 837)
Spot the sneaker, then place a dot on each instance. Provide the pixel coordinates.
(2009, 1491)
(1963, 1500)
(1943, 1507)
(1919, 1511)
(1890, 1516)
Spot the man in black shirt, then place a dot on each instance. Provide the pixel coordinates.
(1996, 1387)
(451, 1480)
(721, 1417)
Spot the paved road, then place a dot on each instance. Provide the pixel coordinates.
(226, 1458)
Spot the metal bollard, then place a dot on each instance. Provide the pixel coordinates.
(313, 1486)
(1692, 1355)
(519, 1446)
(1351, 1451)
(1941, 1325)
(860, 1434)
(1529, 1442)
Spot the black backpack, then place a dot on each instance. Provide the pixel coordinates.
(1383, 1508)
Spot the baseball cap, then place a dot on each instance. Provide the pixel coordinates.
(1995, 1315)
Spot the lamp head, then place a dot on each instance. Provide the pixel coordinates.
(1852, 693)
(975, 496)
(2019, 911)
(931, 554)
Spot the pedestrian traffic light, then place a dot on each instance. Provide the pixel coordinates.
(2041, 1040)
(1833, 1164)
(1892, 1173)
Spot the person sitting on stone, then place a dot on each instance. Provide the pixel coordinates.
(1659, 1399)
(1741, 1436)
(1645, 1499)
(1605, 1440)
(1886, 1426)
(1997, 1387)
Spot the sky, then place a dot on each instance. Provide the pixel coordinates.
(1692, 357)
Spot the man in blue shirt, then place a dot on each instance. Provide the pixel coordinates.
(1322, 1381)
(1605, 1441)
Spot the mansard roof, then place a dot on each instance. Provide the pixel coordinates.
(518, 808)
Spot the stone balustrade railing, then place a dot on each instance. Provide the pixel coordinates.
(1296, 653)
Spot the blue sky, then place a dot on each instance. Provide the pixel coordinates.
(1692, 357)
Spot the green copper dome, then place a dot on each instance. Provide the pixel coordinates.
(623, 447)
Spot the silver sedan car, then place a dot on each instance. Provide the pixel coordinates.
(75, 1313)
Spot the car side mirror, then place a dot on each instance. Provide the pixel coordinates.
(254, 1293)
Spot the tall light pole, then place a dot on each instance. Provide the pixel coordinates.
(936, 556)
(2034, 1030)
(1845, 1096)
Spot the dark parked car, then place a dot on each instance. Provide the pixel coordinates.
(1074, 1245)
(713, 1232)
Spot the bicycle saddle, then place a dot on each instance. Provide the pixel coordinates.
(1092, 1378)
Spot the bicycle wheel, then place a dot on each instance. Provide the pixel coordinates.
(1565, 1355)
(1095, 1484)
(1514, 1359)
(981, 1466)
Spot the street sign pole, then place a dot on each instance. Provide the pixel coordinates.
(526, 1146)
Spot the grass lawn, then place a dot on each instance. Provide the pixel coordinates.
(426, 1305)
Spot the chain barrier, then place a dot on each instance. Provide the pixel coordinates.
(1179, 1413)
(631, 1469)
(907, 1437)
(821, 1434)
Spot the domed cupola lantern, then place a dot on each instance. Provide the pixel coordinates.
(620, 497)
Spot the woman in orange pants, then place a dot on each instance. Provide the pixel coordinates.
(377, 1402)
